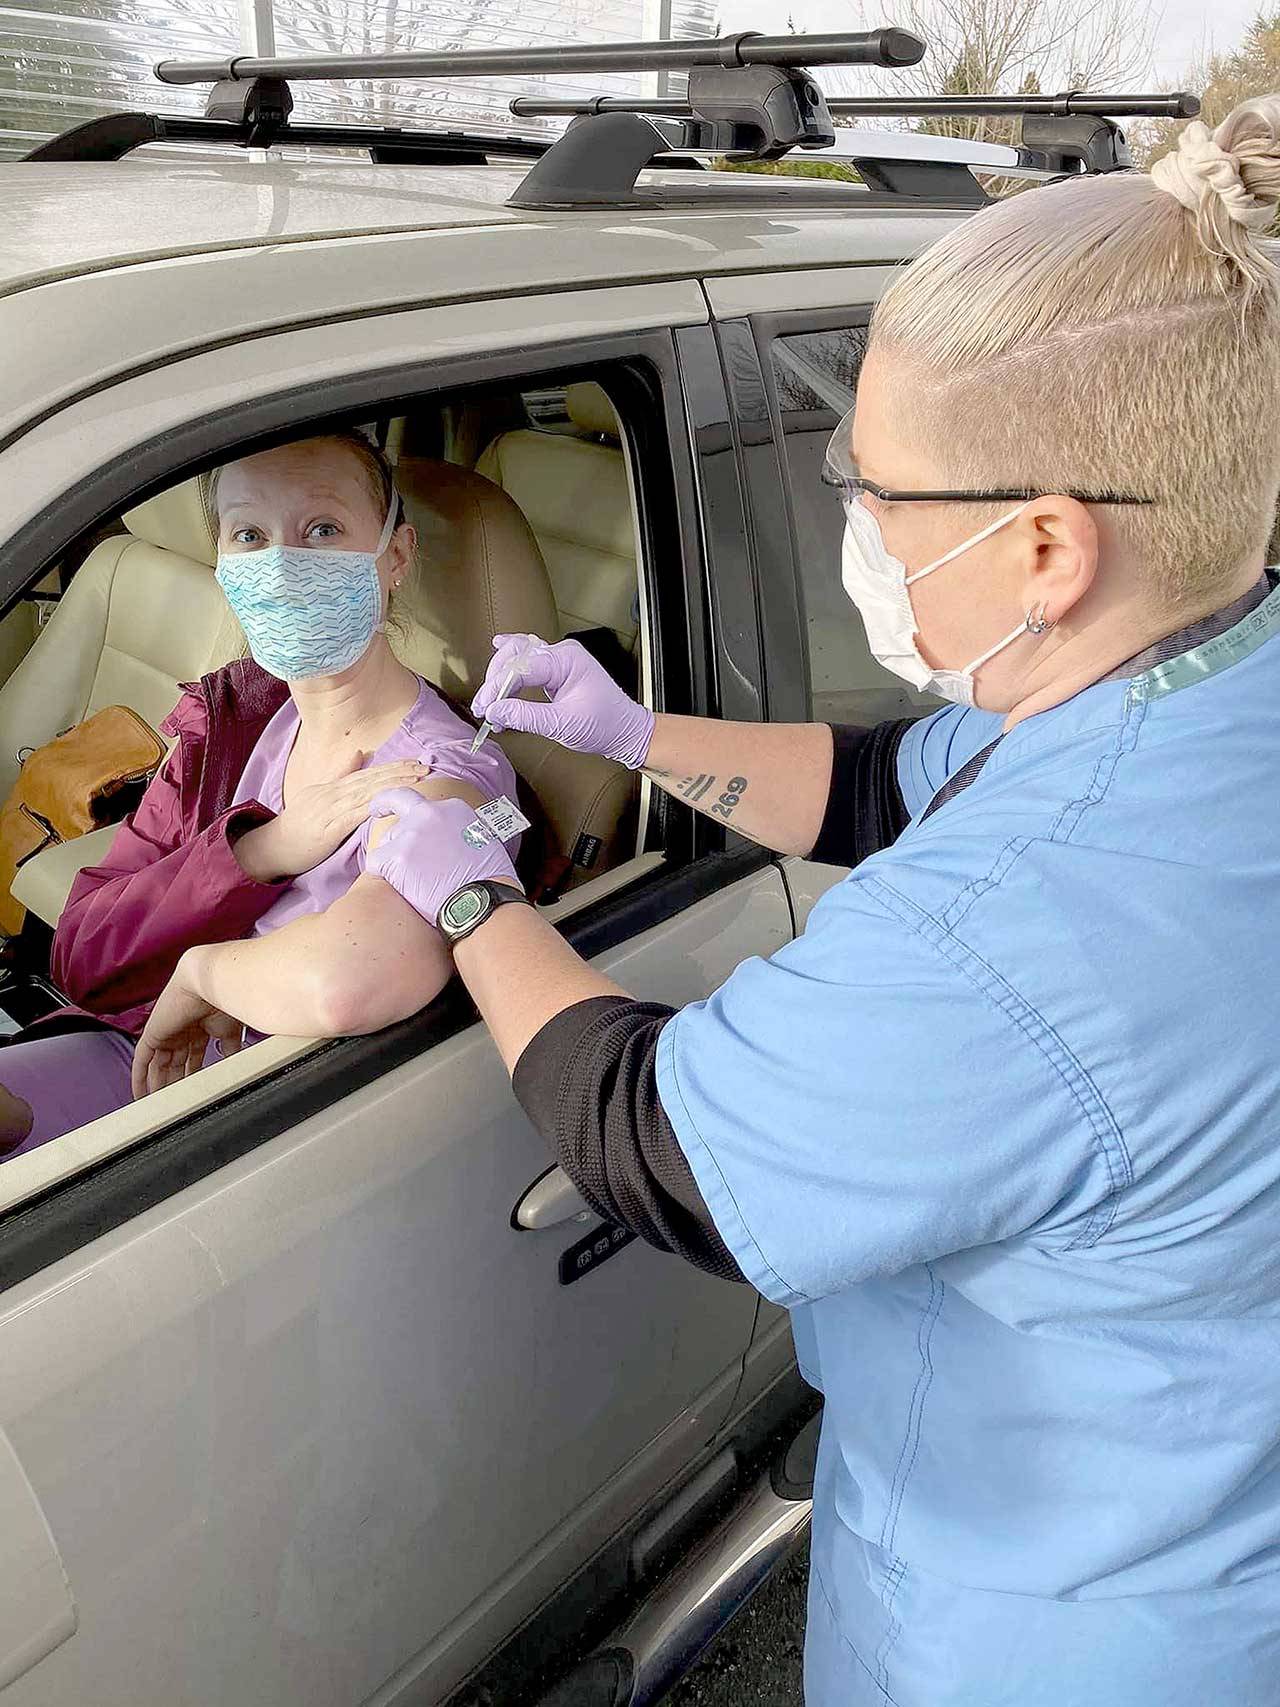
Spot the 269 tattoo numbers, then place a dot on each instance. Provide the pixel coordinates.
(735, 788)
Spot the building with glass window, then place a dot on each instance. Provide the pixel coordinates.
(64, 61)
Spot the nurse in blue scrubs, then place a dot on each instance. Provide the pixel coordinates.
(1002, 1127)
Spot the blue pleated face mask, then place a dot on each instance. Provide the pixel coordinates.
(306, 611)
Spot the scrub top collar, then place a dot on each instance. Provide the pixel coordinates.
(1190, 654)
(1216, 650)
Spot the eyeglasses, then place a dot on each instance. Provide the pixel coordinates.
(840, 470)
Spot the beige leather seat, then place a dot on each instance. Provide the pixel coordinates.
(142, 615)
(480, 574)
(574, 492)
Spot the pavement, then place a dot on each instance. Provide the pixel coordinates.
(756, 1662)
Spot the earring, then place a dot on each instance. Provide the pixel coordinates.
(1037, 621)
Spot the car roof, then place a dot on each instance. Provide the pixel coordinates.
(63, 220)
(110, 268)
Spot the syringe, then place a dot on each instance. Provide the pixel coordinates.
(513, 670)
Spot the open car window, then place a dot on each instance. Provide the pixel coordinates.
(559, 458)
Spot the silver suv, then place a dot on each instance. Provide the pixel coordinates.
(318, 1384)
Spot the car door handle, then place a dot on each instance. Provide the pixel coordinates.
(551, 1199)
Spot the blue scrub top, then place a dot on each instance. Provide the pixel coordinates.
(1003, 1129)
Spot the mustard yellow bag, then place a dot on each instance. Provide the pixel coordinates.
(93, 774)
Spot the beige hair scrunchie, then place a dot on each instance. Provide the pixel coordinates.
(1197, 169)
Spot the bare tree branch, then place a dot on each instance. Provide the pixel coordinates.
(979, 47)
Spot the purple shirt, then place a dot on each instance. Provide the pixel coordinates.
(431, 732)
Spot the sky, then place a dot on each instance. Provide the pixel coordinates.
(1187, 27)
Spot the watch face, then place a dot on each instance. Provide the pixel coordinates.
(463, 909)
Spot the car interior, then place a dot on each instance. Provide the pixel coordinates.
(526, 522)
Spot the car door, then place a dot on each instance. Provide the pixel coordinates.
(292, 1407)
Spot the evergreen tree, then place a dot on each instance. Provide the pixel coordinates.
(1224, 80)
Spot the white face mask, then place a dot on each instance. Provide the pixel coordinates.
(307, 611)
(877, 583)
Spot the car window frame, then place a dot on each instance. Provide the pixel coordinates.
(73, 1211)
(775, 563)
(766, 329)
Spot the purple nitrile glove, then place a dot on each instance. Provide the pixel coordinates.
(588, 711)
(424, 856)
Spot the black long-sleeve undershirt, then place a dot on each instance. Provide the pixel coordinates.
(865, 809)
(588, 1082)
(588, 1079)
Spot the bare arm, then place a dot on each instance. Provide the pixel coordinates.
(769, 781)
(521, 973)
(365, 962)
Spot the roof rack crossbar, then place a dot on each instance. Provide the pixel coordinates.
(1071, 102)
(1179, 105)
(885, 47)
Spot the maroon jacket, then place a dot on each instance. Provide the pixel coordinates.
(171, 879)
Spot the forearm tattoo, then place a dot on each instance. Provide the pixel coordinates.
(695, 790)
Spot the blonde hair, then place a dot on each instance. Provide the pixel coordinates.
(1114, 333)
(375, 465)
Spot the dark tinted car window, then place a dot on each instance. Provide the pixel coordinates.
(815, 379)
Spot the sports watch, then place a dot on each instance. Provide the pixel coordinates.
(471, 906)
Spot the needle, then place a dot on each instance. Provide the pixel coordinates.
(517, 664)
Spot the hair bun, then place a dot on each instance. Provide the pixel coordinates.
(1229, 179)
(1199, 168)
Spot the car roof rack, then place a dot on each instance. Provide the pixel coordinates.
(750, 96)
(1071, 131)
(1068, 132)
(765, 102)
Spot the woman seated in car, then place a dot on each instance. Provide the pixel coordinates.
(243, 895)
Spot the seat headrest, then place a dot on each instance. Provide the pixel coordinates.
(480, 573)
(180, 520)
(587, 406)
